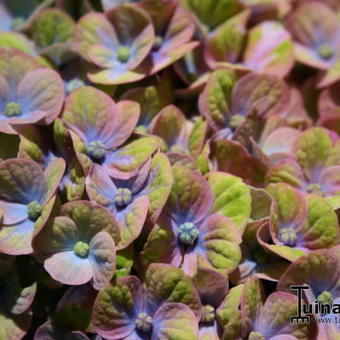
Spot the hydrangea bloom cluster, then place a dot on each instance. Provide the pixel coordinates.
(169, 169)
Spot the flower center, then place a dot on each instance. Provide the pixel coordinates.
(13, 109)
(208, 313)
(81, 249)
(188, 233)
(314, 188)
(325, 51)
(326, 298)
(143, 322)
(74, 84)
(157, 43)
(96, 150)
(288, 236)
(236, 121)
(123, 197)
(34, 210)
(123, 54)
(256, 336)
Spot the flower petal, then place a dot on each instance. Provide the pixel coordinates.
(103, 259)
(269, 53)
(232, 198)
(41, 90)
(116, 308)
(174, 321)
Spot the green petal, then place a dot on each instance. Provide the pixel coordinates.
(227, 41)
(197, 137)
(314, 150)
(219, 244)
(229, 314)
(232, 197)
(215, 100)
(165, 283)
(212, 13)
(52, 26)
(159, 184)
(91, 219)
(16, 40)
(290, 204)
(321, 229)
(133, 155)
(252, 302)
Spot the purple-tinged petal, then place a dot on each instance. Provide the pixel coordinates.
(170, 124)
(127, 118)
(165, 283)
(102, 257)
(319, 269)
(131, 220)
(218, 245)
(287, 171)
(266, 93)
(162, 245)
(269, 53)
(13, 212)
(330, 180)
(41, 90)
(53, 175)
(211, 285)
(119, 76)
(100, 188)
(116, 308)
(15, 65)
(174, 321)
(280, 142)
(68, 268)
(190, 197)
(21, 181)
(231, 156)
(274, 318)
(92, 114)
